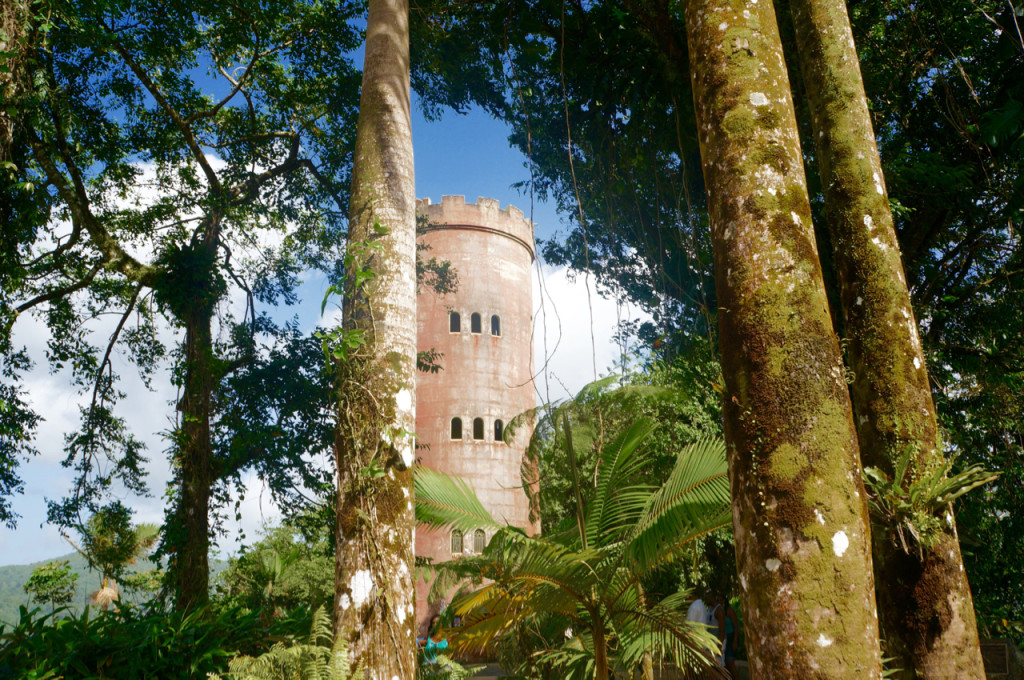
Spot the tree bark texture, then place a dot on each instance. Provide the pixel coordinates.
(192, 546)
(927, 614)
(799, 506)
(375, 603)
(14, 25)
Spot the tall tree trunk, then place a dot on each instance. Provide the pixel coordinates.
(16, 48)
(374, 610)
(192, 544)
(926, 611)
(799, 510)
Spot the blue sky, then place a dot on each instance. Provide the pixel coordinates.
(459, 154)
(470, 155)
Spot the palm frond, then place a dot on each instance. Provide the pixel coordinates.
(665, 625)
(574, 658)
(616, 503)
(536, 578)
(693, 500)
(480, 627)
(444, 501)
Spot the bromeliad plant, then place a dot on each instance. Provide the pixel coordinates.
(587, 579)
(904, 504)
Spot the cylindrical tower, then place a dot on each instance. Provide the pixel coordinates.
(484, 333)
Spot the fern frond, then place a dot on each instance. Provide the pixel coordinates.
(446, 501)
(315, 659)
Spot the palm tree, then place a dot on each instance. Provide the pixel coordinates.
(588, 579)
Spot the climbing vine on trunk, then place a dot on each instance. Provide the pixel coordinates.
(375, 357)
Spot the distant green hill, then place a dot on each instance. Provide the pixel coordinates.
(14, 577)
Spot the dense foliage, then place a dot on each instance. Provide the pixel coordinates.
(319, 657)
(184, 164)
(136, 642)
(280, 572)
(177, 165)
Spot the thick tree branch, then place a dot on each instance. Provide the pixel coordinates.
(248, 139)
(73, 238)
(110, 347)
(114, 256)
(181, 123)
(246, 190)
(59, 292)
(237, 85)
(324, 182)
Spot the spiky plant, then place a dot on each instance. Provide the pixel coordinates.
(588, 579)
(918, 505)
(316, 659)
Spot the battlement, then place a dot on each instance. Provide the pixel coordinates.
(485, 215)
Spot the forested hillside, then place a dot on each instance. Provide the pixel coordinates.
(13, 578)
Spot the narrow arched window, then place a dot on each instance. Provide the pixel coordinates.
(456, 542)
(456, 428)
(478, 428)
(479, 541)
(454, 322)
(495, 324)
(475, 323)
(499, 430)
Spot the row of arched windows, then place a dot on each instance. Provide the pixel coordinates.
(458, 540)
(478, 429)
(475, 323)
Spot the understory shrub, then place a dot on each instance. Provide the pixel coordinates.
(135, 642)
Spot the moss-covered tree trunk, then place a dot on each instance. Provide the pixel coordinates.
(191, 291)
(191, 566)
(15, 48)
(374, 609)
(799, 510)
(926, 612)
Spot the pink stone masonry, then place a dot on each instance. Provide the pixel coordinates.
(482, 375)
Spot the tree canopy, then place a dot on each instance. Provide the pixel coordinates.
(184, 164)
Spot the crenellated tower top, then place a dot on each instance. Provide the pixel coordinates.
(485, 215)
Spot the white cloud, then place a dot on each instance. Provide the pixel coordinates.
(574, 332)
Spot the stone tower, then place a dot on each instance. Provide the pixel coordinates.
(484, 332)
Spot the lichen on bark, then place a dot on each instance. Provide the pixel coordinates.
(799, 509)
(927, 615)
(376, 383)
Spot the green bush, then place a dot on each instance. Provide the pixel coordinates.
(136, 643)
(282, 571)
(318, 658)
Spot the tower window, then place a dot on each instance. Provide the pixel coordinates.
(495, 324)
(456, 428)
(479, 541)
(454, 322)
(499, 430)
(478, 428)
(474, 323)
(456, 542)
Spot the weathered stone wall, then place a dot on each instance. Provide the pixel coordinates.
(482, 375)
